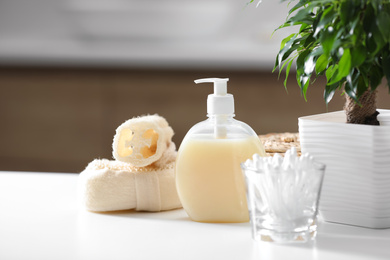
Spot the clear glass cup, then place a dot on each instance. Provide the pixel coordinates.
(283, 204)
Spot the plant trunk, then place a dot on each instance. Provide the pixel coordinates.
(365, 113)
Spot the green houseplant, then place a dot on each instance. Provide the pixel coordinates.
(346, 41)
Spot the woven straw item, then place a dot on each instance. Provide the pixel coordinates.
(280, 143)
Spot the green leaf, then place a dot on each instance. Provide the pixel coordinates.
(287, 73)
(345, 64)
(306, 81)
(369, 17)
(375, 4)
(371, 45)
(350, 89)
(287, 39)
(310, 42)
(376, 75)
(326, 18)
(310, 60)
(358, 56)
(383, 23)
(304, 27)
(321, 64)
(303, 81)
(329, 92)
(303, 16)
(386, 68)
(347, 40)
(357, 82)
(378, 37)
(281, 27)
(297, 6)
(344, 68)
(284, 64)
(374, 40)
(301, 61)
(286, 50)
(364, 72)
(299, 74)
(347, 11)
(327, 39)
(330, 72)
(361, 86)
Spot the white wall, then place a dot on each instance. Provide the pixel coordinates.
(141, 33)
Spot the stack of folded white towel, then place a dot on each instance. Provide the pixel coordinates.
(142, 176)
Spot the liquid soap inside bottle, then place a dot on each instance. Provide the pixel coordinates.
(209, 179)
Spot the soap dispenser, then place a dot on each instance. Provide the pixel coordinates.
(209, 179)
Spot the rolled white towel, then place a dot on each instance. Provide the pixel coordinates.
(142, 141)
(111, 185)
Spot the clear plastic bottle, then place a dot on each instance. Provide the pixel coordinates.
(209, 179)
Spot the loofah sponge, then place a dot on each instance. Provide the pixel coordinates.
(111, 185)
(143, 175)
(142, 141)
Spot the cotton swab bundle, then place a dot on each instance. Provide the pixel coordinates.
(288, 185)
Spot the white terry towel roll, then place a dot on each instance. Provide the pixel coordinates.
(111, 185)
(142, 141)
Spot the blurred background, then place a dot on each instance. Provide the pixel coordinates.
(71, 71)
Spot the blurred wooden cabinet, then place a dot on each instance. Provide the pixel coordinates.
(59, 120)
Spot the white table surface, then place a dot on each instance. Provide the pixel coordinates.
(40, 218)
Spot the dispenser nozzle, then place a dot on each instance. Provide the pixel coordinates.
(220, 85)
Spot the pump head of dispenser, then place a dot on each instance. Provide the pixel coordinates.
(221, 102)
